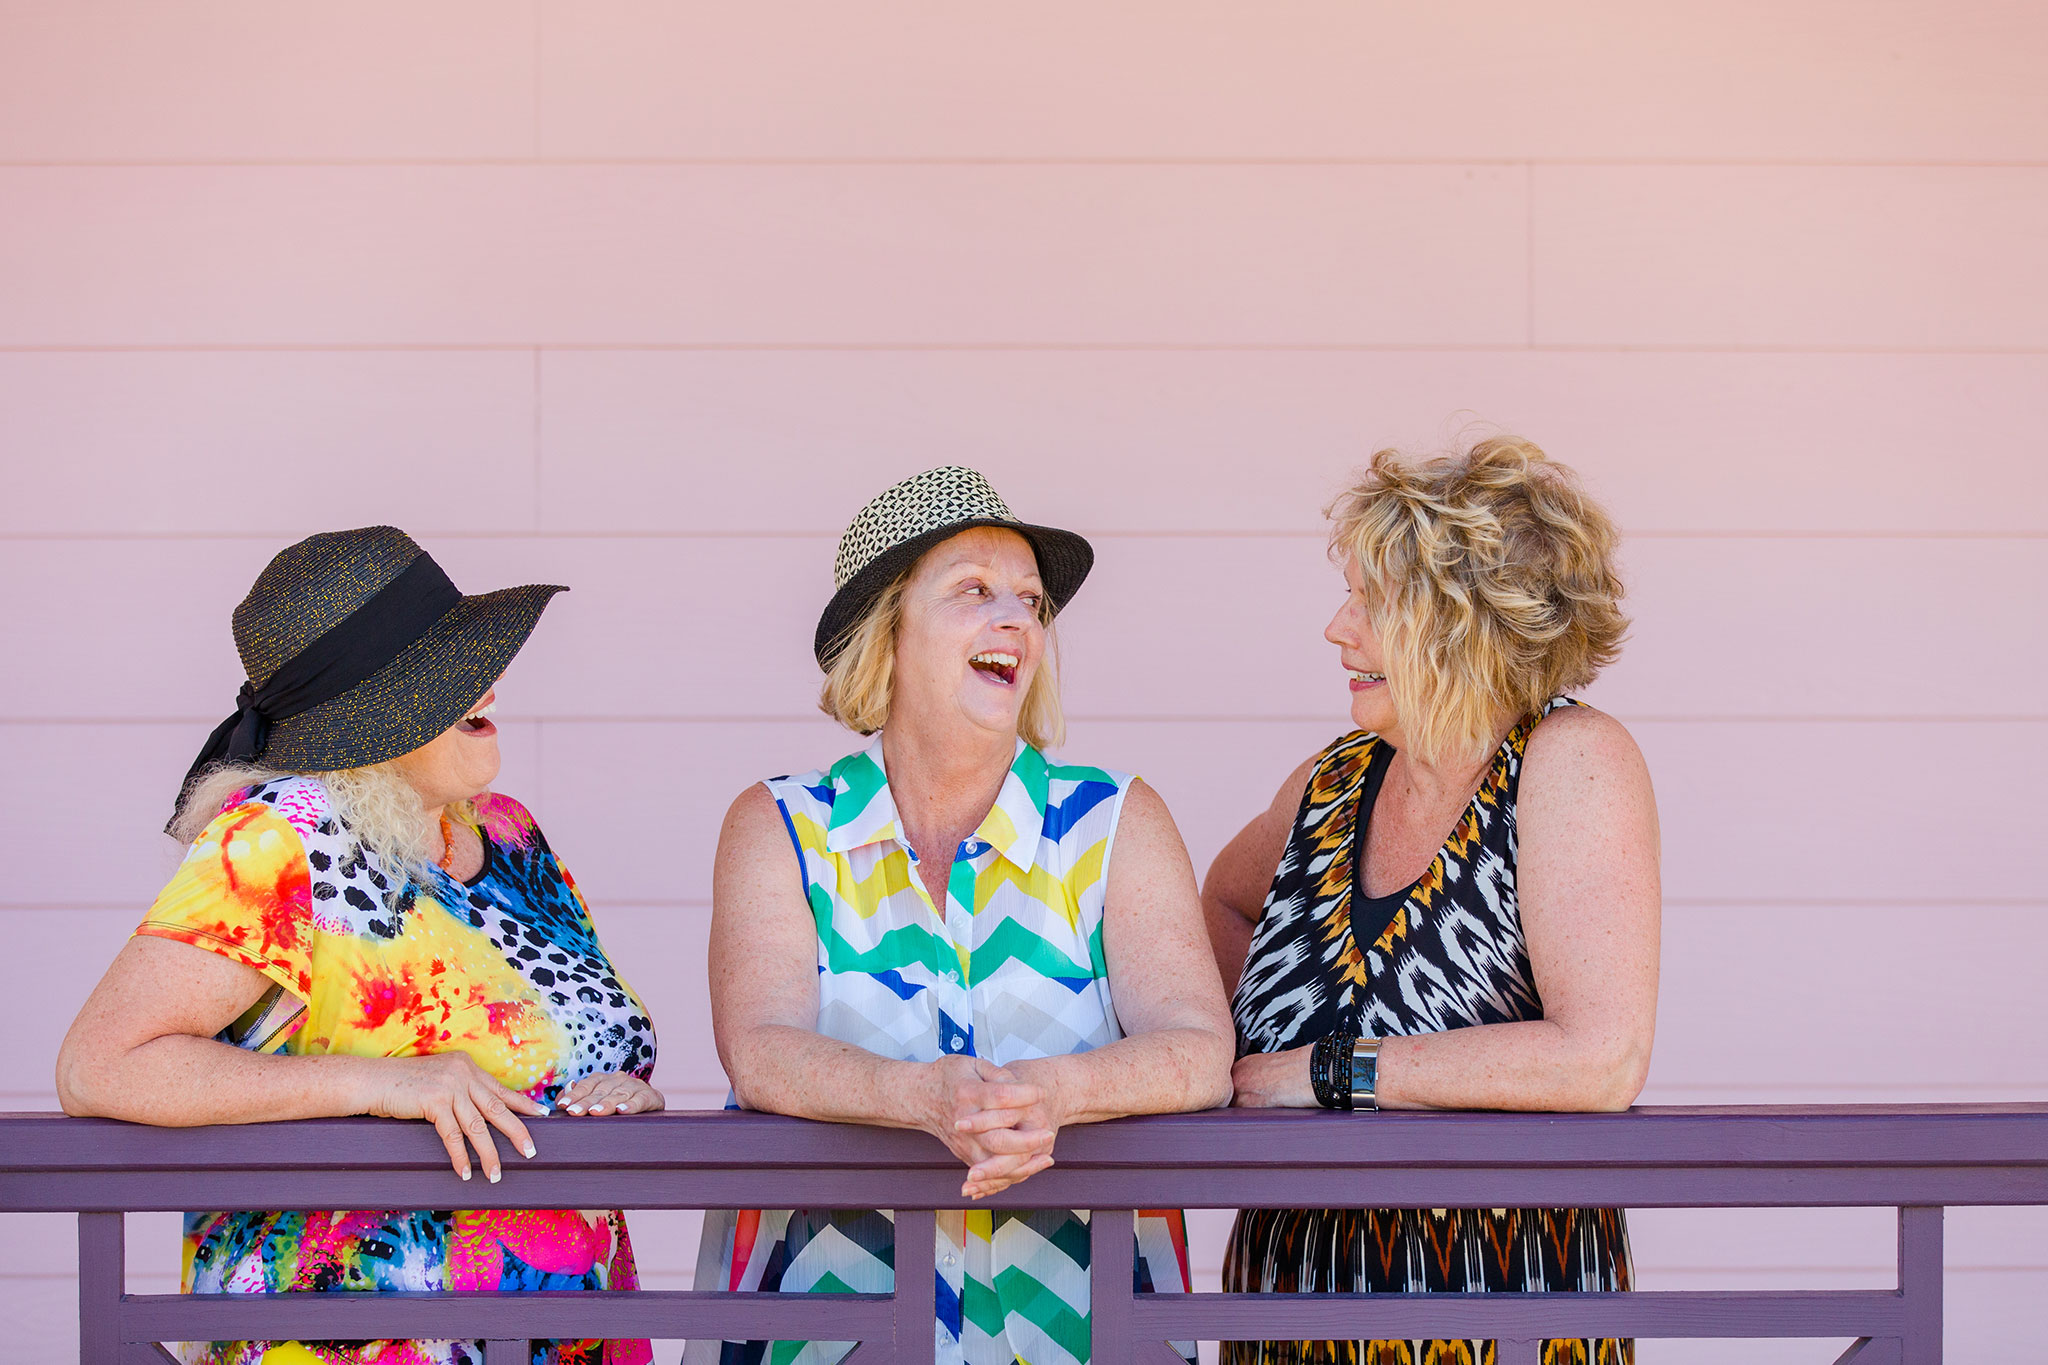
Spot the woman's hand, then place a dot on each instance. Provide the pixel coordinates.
(992, 1119)
(1274, 1080)
(610, 1092)
(461, 1100)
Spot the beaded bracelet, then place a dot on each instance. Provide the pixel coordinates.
(1329, 1070)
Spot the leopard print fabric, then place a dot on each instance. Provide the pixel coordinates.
(1451, 956)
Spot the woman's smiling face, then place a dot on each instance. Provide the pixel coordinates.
(1363, 658)
(971, 636)
(458, 763)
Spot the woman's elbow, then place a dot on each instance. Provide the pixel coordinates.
(1614, 1079)
(76, 1092)
(1209, 1077)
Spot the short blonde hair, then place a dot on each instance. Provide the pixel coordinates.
(1491, 581)
(860, 685)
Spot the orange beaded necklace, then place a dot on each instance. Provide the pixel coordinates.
(447, 842)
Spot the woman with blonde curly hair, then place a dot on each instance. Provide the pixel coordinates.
(1455, 905)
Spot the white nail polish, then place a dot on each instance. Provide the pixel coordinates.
(493, 1176)
(529, 1149)
(465, 1175)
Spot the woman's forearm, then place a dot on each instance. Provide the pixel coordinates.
(781, 1069)
(1535, 1065)
(1167, 1071)
(181, 1081)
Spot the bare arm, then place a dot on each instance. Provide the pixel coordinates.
(143, 1049)
(1589, 896)
(1234, 893)
(1178, 1041)
(764, 1018)
(1588, 889)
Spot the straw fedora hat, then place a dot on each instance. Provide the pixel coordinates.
(358, 649)
(891, 532)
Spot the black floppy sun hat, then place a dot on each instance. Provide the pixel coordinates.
(358, 649)
(891, 532)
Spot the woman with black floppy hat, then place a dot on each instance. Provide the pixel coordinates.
(361, 927)
(933, 933)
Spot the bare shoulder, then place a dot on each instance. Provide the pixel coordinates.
(755, 805)
(1143, 805)
(1144, 820)
(1288, 799)
(755, 834)
(1578, 756)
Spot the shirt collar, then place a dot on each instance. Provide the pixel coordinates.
(864, 809)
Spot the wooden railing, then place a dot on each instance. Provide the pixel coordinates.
(1916, 1159)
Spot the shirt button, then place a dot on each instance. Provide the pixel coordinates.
(953, 976)
(951, 1258)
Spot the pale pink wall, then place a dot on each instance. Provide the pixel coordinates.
(647, 298)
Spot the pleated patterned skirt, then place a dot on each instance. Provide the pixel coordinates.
(1418, 1251)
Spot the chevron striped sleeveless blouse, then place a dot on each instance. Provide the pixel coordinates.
(1010, 968)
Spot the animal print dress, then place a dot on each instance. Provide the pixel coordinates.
(1445, 953)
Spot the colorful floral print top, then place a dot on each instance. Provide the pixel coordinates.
(505, 967)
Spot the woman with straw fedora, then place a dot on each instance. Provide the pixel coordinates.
(932, 933)
(361, 927)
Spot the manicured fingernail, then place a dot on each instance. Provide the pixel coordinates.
(528, 1149)
(545, 1111)
(464, 1174)
(626, 1108)
(492, 1176)
(575, 1108)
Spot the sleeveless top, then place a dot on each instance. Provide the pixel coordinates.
(1010, 968)
(1446, 952)
(364, 963)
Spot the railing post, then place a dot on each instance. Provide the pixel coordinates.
(1112, 1249)
(1920, 1282)
(916, 1327)
(102, 1278)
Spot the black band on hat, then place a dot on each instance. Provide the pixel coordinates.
(360, 644)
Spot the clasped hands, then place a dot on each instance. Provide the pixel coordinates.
(1001, 1121)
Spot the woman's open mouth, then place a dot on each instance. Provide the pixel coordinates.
(998, 668)
(1361, 681)
(478, 722)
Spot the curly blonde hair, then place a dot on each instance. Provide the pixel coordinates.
(860, 686)
(376, 805)
(1491, 580)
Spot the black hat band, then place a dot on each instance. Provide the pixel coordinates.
(355, 649)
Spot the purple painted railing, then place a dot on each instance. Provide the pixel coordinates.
(1914, 1158)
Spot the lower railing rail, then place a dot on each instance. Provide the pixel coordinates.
(1916, 1159)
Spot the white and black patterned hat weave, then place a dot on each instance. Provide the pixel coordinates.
(897, 527)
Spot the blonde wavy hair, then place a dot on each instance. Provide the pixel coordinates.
(1490, 578)
(860, 685)
(376, 804)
